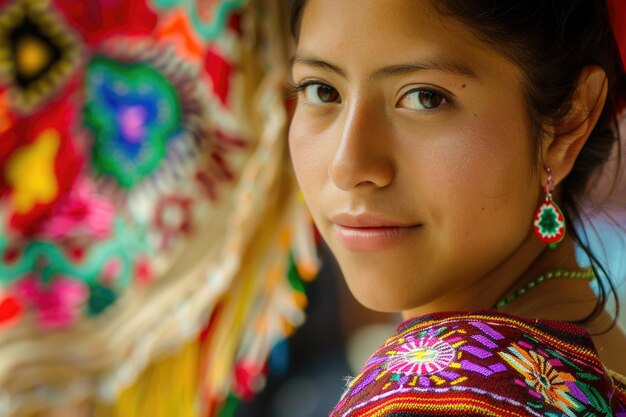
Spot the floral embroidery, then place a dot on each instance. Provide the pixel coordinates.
(38, 52)
(421, 357)
(82, 213)
(56, 303)
(100, 298)
(39, 162)
(142, 103)
(31, 172)
(173, 219)
(484, 363)
(543, 379)
(68, 283)
(113, 260)
(147, 116)
(134, 112)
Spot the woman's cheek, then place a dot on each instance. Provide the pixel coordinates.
(300, 144)
(481, 179)
(308, 163)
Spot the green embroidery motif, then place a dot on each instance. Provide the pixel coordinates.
(134, 112)
(51, 260)
(100, 298)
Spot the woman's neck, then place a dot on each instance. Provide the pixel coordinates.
(553, 300)
(556, 299)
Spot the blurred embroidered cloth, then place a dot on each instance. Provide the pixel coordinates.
(152, 245)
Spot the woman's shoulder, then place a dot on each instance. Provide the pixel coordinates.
(485, 364)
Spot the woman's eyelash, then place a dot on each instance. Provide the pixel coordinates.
(425, 100)
(429, 90)
(293, 89)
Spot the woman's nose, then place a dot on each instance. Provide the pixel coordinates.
(364, 154)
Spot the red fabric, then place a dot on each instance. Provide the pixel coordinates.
(617, 12)
(220, 71)
(484, 364)
(97, 20)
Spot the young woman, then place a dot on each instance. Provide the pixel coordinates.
(443, 148)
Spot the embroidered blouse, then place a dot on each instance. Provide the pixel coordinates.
(484, 364)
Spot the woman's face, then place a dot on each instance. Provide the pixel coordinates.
(411, 145)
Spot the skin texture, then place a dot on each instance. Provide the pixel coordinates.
(464, 173)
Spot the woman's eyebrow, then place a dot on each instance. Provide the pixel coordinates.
(302, 59)
(393, 70)
(443, 66)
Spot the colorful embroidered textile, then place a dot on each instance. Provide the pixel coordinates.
(484, 364)
(148, 218)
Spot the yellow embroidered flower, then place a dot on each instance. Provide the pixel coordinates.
(543, 378)
(30, 171)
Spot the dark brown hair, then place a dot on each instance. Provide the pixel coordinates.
(552, 41)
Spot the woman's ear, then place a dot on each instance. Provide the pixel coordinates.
(570, 133)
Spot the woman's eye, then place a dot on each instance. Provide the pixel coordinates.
(321, 94)
(422, 99)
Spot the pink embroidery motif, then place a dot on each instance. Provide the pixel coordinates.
(423, 356)
(56, 303)
(82, 213)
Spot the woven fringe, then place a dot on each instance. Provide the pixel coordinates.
(168, 388)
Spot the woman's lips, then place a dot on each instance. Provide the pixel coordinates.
(370, 233)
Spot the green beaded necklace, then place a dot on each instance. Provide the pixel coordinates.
(587, 275)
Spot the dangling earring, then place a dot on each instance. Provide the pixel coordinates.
(549, 223)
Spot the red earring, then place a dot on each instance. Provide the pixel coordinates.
(549, 223)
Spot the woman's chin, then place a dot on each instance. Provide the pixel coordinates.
(379, 297)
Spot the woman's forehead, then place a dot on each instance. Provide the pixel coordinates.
(372, 36)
